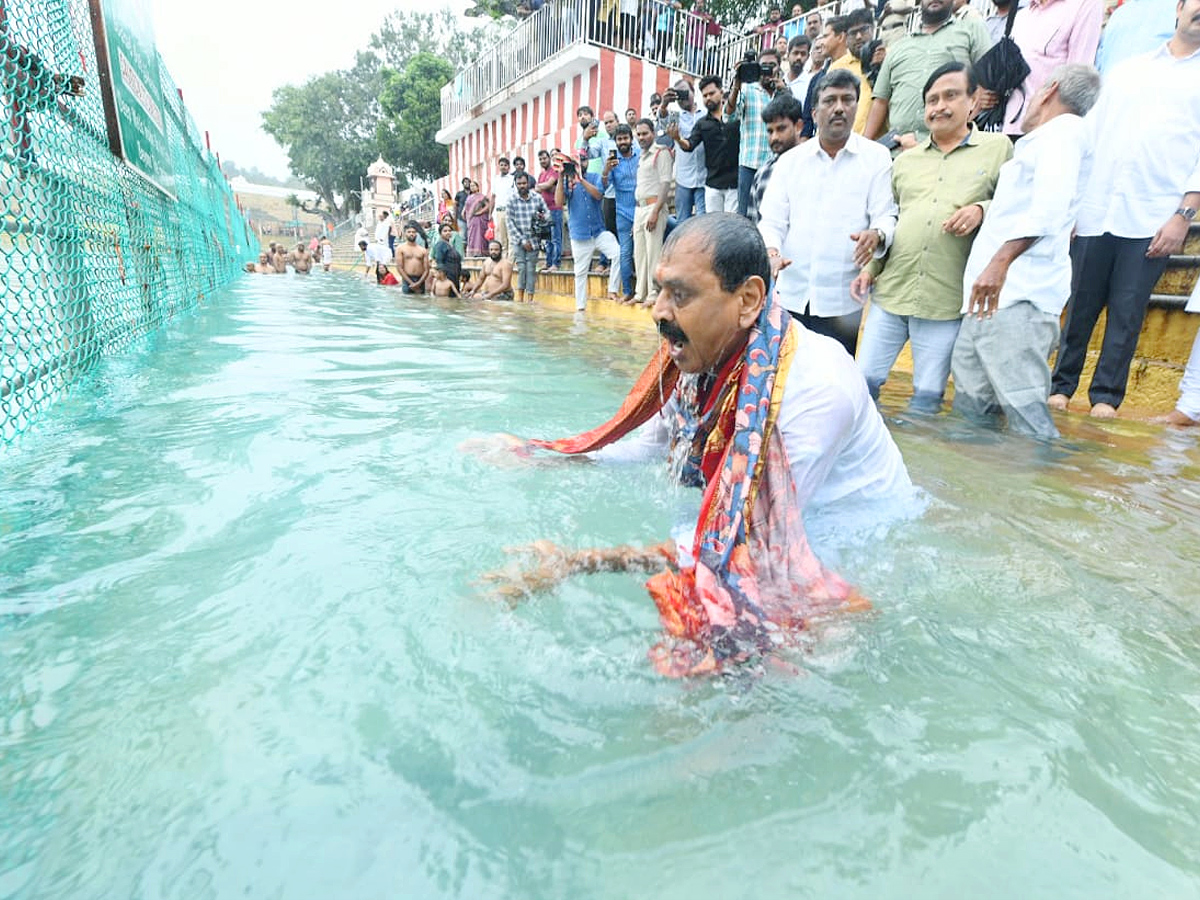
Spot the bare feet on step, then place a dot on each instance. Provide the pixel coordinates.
(1058, 401)
(1103, 411)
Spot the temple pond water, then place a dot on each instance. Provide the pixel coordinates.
(245, 653)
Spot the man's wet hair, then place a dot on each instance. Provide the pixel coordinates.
(732, 244)
(496, 242)
(839, 78)
(949, 69)
(783, 106)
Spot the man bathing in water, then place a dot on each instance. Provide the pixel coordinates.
(301, 259)
(769, 419)
(495, 278)
(413, 261)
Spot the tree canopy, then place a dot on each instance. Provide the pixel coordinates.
(327, 127)
(388, 103)
(411, 103)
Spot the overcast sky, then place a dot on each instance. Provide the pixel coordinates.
(228, 55)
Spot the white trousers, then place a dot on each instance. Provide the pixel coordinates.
(720, 200)
(581, 254)
(1189, 387)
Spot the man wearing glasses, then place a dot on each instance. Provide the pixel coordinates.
(860, 28)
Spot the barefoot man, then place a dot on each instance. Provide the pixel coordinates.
(495, 278)
(413, 260)
(769, 419)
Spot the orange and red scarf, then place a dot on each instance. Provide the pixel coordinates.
(754, 580)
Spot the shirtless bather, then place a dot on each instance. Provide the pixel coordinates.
(440, 284)
(301, 260)
(413, 260)
(495, 279)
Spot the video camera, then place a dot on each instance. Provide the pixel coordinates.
(749, 70)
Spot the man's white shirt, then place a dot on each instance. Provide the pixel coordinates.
(1145, 135)
(502, 190)
(838, 447)
(1037, 196)
(811, 206)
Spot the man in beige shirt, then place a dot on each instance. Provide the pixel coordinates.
(649, 218)
(943, 187)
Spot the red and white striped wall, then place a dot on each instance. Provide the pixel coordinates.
(544, 117)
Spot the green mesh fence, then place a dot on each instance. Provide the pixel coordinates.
(92, 255)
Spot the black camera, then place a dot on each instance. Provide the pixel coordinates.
(569, 167)
(748, 69)
(865, 55)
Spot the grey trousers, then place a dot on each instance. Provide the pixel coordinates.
(1000, 366)
(525, 264)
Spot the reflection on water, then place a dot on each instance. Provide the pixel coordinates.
(245, 654)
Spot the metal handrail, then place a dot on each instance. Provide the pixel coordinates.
(653, 29)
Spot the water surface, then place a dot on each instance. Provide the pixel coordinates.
(245, 654)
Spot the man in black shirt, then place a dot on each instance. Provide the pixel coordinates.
(460, 202)
(720, 140)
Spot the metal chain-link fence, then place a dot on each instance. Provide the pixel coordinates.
(92, 255)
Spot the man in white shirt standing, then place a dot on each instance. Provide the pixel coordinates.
(1018, 276)
(1140, 198)
(826, 212)
(502, 190)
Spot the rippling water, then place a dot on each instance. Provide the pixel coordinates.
(245, 654)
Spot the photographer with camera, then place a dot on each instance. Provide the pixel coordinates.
(754, 86)
(580, 193)
(719, 140)
(526, 207)
(679, 111)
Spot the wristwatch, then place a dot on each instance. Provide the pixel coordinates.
(1187, 212)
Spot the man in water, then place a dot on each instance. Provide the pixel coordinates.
(769, 419)
(495, 278)
(301, 259)
(413, 260)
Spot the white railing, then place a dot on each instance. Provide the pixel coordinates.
(653, 29)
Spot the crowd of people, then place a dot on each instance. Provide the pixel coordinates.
(967, 240)
(301, 259)
(909, 174)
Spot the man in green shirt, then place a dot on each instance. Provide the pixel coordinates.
(898, 103)
(943, 188)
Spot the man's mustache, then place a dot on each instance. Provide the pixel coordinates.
(669, 331)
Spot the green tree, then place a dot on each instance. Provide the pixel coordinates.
(412, 114)
(403, 35)
(327, 127)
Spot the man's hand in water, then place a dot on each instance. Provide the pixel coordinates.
(498, 449)
(552, 564)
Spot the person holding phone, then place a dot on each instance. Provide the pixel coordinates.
(620, 172)
(681, 116)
